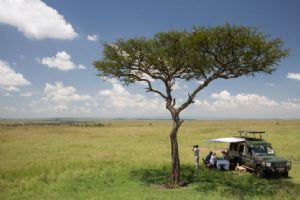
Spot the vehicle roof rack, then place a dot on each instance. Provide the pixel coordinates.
(245, 133)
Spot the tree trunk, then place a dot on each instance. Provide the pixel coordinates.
(175, 172)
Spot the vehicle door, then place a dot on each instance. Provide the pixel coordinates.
(241, 147)
(233, 150)
(248, 157)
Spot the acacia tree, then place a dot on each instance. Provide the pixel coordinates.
(204, 54)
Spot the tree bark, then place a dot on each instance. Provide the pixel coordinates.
(175, 164)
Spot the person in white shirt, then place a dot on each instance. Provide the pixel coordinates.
(213, 160)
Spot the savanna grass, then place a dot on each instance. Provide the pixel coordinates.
(130, 160)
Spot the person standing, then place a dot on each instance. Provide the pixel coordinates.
(196, 151)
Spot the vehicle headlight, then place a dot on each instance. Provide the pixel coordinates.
(268, 164)
(288, 164)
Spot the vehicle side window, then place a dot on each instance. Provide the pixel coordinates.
(234, 146)
(241, 149)
(249, 152)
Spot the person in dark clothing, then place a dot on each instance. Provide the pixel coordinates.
(207, 158)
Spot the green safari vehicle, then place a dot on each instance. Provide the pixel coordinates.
(255, 154)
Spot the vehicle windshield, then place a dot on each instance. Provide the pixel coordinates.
(263, 150)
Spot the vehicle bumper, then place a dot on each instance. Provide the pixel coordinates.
(276, 171)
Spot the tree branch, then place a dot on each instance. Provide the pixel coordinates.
(150, 88)
(191, 96)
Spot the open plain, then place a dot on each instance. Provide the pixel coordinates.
(131, 160)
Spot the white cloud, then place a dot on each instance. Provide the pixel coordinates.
(143, 76)
(63, 99)
(80, 66)
(225, 100)
(224, 95)
(58, 108)
(295, 76)
(10, 79)
(224, 104)
(293, 105)
(93, 37)
(10, 88)
(62, 61)
(118, 98)
(35, 19)
(62, 94)
(200, 82)
(26, 94)
(177, 86)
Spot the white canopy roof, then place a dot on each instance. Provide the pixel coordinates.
(228, 139)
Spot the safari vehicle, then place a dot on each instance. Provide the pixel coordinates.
(255, 154)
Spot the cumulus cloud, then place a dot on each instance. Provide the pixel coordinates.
(10, 80)
(62, 61)
(293, 105)
(60, 98)
(118, 98)
(62, 94)
(224, 104)
(295, 76)
(11, 88)
(93, 37)
(225, 100)
(35, 19)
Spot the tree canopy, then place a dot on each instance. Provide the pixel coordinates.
(203, 54)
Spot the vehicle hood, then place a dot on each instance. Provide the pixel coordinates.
(272, 159)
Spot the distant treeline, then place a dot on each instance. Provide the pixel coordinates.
(77, 124)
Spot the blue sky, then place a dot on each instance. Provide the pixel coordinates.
(48, 47)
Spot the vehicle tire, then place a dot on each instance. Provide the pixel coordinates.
(259, 172)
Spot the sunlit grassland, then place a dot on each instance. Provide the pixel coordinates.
(130, 160)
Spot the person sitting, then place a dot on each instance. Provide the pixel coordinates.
(223, 163)
(207, 158)
(213, 160)
(224, 155)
